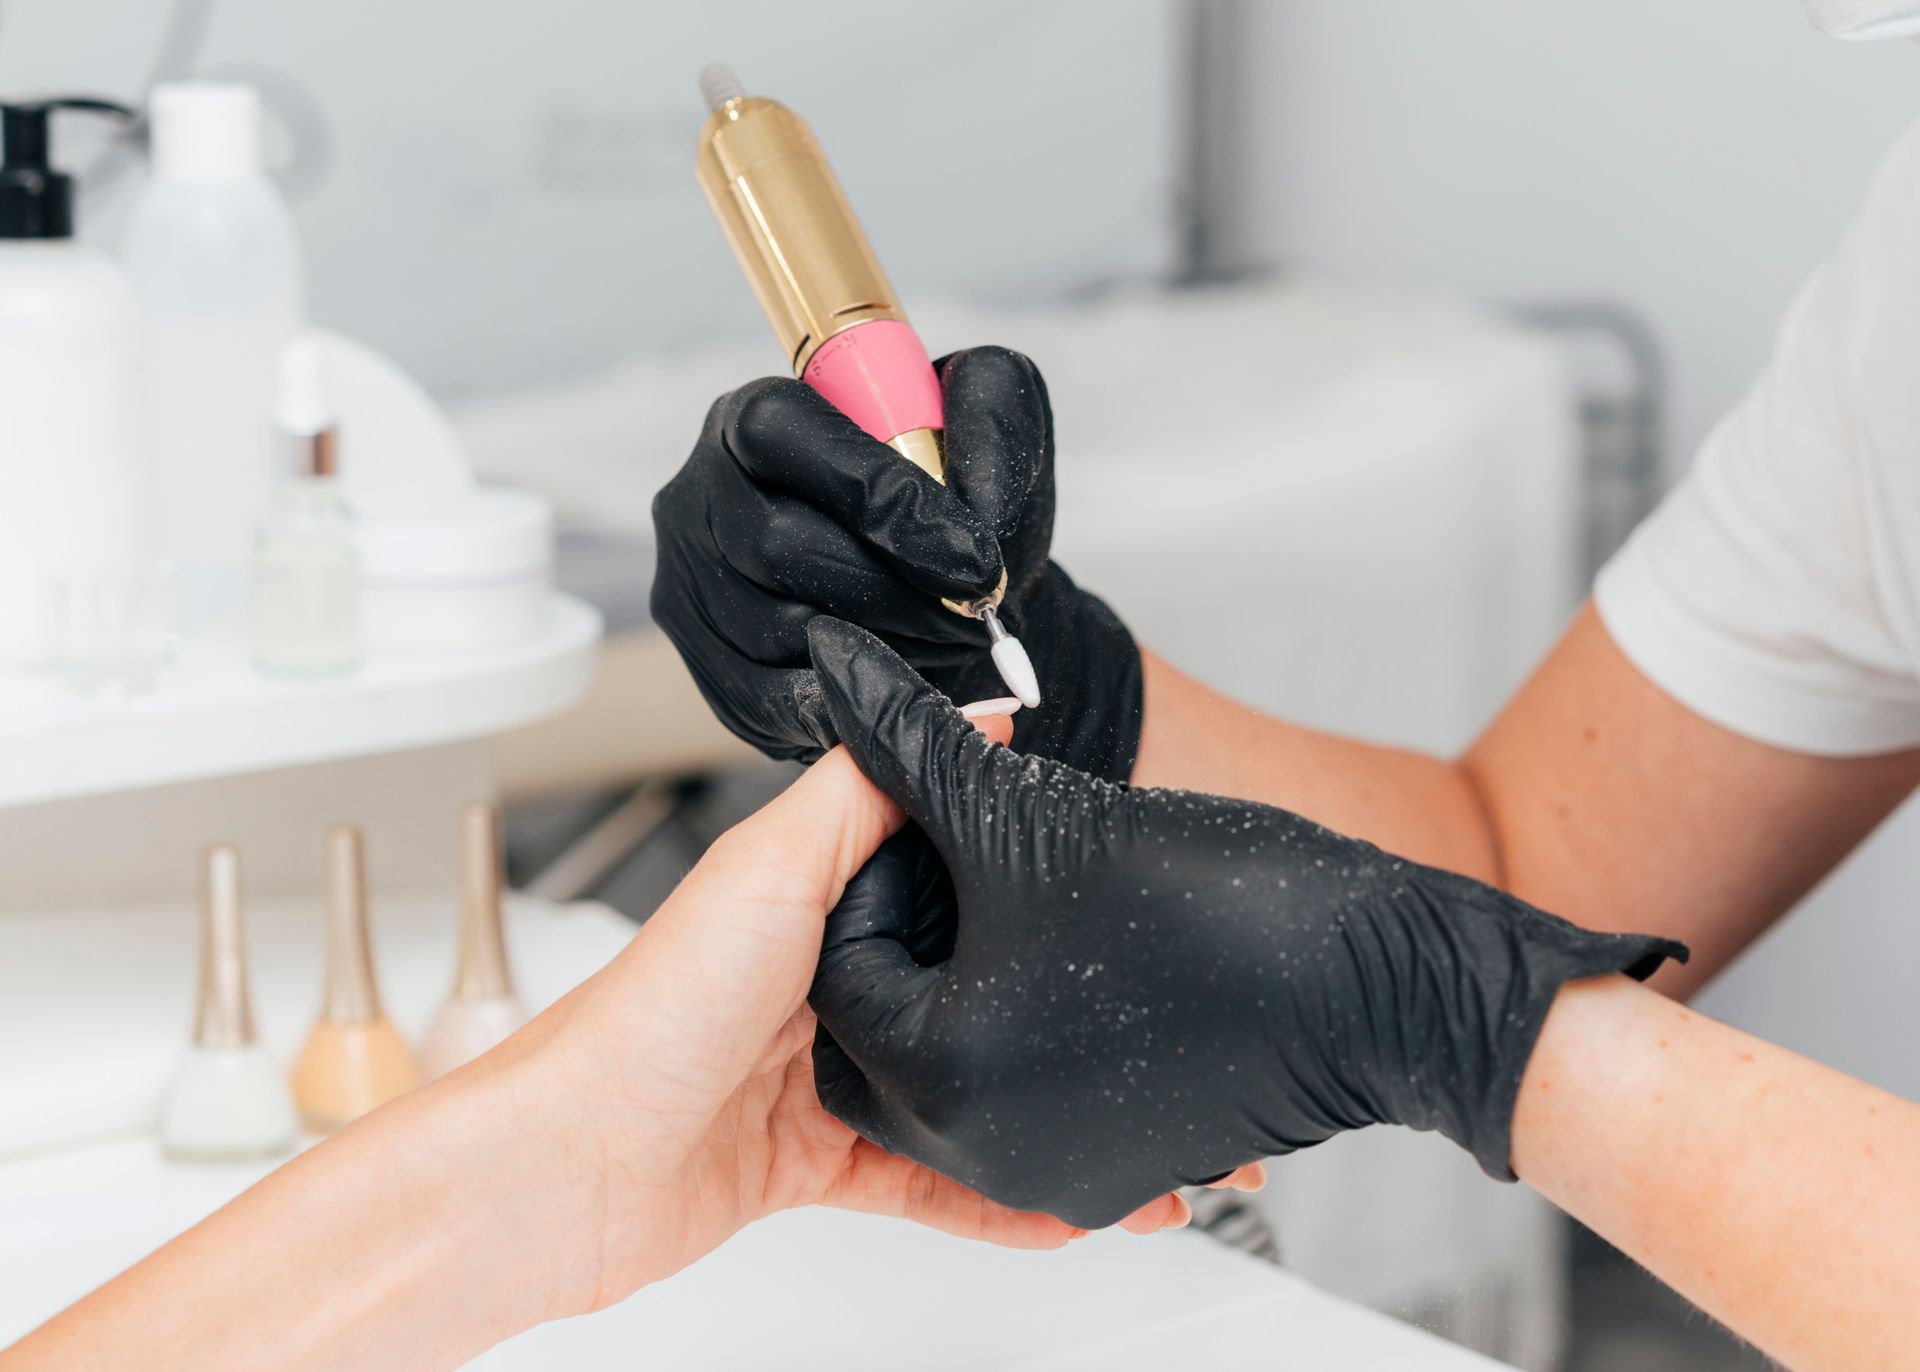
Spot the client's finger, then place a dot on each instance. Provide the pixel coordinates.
(994, 718)
(1171, 1211)
(882, 1183)
(833, 813)
(1252, 1177)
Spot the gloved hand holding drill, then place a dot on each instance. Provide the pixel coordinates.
(786, 510)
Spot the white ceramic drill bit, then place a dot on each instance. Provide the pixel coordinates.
(1015, 667)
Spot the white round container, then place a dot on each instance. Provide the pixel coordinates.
(475, 577)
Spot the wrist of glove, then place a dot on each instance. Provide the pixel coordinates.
(1074, 996)
(786, 510)
(1451, 1047)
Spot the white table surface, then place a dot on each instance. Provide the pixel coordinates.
(808, 1289)
(96, 1005)
(214, 715)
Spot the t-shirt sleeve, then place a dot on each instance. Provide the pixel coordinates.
(1773, 590)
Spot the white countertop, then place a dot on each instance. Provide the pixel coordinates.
(96, 1005)
(808, 1289)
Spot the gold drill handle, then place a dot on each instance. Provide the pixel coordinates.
(795, 236)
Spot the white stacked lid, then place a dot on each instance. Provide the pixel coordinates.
(494, 534)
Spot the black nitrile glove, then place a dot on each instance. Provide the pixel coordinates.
(1073, 997)
(786, 510)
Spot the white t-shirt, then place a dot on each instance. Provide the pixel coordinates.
(1776, 591)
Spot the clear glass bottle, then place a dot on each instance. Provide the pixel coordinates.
(306, 560)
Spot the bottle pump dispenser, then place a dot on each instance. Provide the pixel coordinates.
(36, 201)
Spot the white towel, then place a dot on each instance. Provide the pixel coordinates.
(1865, 20)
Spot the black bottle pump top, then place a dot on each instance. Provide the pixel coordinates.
(35, 200)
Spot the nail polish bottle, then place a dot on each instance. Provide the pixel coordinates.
(228, 1100)
(482, 1009)
(354, 1059)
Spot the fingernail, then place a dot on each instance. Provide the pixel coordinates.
(1183, 1217)
(999, 705)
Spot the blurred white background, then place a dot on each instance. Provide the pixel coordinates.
(498, 193)
(1693, 161)
(502, 192)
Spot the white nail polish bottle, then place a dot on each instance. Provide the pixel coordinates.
(483, 1009)
(228, 1099)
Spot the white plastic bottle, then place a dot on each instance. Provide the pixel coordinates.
(70, 468)
(214, 256)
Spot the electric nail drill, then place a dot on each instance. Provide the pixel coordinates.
(831, 308)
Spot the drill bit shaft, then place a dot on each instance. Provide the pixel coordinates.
(1011, 660)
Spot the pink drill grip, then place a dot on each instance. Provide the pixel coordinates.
(877, 374)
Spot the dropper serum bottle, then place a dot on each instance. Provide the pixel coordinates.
(228, 1100)
(306, 557)
(354, 1060)
(482, 1009)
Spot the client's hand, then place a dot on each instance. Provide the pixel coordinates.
(626, 1131)
(688, 1056)
(1072, 995)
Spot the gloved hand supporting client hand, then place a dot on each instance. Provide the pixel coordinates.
(1073, 996)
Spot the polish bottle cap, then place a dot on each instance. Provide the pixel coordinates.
(351, 993)
(225, 1015)
(205, 133)
(482, 971)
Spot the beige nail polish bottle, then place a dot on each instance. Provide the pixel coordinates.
(228, 1099)
(482, 1009)
(354, 1059)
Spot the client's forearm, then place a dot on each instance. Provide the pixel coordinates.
(381, 1247)
(1780, 1196)
(1416, 806)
